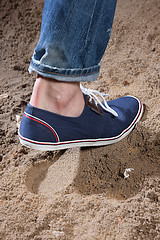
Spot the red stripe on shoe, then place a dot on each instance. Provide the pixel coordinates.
(42, 124)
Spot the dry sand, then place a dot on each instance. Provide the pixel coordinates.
(81, 194)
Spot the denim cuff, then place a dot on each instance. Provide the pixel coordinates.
(67, 75)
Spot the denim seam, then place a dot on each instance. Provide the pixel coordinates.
(90, 24)
(70, 75)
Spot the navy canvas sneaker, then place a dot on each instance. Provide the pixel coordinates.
(99, 124)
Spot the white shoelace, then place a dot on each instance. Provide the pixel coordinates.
(92, 94)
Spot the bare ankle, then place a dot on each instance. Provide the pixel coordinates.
(63, 98)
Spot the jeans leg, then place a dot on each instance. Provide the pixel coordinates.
(74, 36)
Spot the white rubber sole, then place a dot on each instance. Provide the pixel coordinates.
(44, 146)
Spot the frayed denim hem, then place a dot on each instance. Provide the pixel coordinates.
(67, 75)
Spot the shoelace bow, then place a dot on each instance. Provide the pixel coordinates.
(92, 94)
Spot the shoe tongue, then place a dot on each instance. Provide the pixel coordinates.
(91, 104)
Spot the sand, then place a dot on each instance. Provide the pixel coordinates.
(82, 194)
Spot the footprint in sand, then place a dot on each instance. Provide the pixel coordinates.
(47, 178)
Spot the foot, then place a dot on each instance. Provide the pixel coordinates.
(99, 123)
(62, 98)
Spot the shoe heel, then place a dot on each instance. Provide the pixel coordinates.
(36, 131)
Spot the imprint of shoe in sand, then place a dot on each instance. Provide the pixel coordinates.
(47, 178)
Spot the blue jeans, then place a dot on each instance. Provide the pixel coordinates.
(74, 36)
